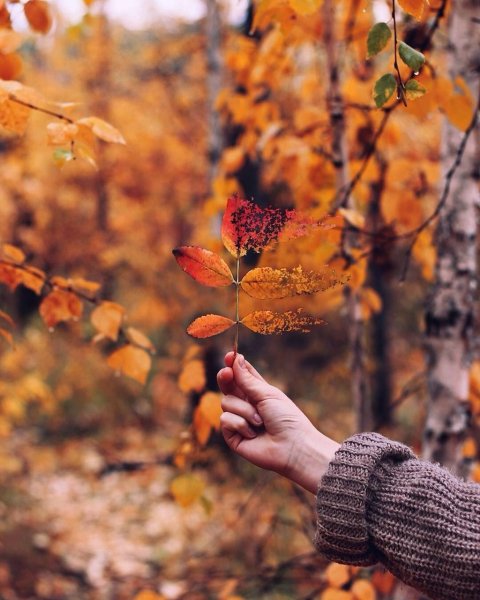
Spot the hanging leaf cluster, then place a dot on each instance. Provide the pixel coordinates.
(378, 39)
(248, 227)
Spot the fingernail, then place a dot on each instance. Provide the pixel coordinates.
(251, 433)
(258, 419)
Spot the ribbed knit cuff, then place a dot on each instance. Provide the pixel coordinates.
(344, 494)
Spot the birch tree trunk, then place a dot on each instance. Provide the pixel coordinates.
(449, 317)
(214, 83)
(359, 381)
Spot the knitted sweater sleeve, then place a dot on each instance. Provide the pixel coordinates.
(378, 503)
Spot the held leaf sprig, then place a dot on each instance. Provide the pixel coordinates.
(246, 226)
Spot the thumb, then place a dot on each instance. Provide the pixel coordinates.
(250, 382)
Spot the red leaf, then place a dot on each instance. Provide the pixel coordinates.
(204, 266)
(209, 325)
(246, 226)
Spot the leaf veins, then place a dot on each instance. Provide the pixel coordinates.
(267, 322)
(204, 266)
(268, 283)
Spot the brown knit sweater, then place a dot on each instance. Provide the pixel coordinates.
(379, 503)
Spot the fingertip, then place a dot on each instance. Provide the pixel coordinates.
(225, 379)
(229, 358)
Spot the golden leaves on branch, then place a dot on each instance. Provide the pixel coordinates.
(187, 489)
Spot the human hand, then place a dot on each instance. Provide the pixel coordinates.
(261, 424)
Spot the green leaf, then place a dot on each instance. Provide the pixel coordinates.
(411, 57)
(384, 88)
(378, 38)
(414, 90)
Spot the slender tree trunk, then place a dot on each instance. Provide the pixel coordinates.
(214, 84)
(380, 269)
(449, 317)
(359, 381)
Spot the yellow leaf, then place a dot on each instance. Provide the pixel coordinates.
(103, 130)
(9, 40)
(83, 286)
(268, 283)
(469, 448)
(208, 325)
(193, 377)
(415, 8)
(267, 322)
(61, 134)
(459, 106)
(38, 15)
(59, 306)
(13, 253)
(131, 361)
(13, 116)
(337, 575)
(138, 338)
(210, 407)
(107, 319)
(305, 7)
(85, 145)
(187, 489)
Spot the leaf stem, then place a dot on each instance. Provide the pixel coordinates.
(237, 306)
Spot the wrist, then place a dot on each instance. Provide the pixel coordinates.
(311, 456)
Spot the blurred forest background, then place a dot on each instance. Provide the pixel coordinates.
(118, 144)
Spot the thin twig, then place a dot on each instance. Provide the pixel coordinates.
(400, 85)
(52, 113)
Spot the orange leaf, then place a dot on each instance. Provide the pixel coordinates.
(103, 130)
(13, 253)
(193, 377)
(131, 361)
(267, 322)
(10, 66)
(83, 286)
(38, 15)
(208, 325)
(268, 283)
(383, 582)
(334, 594)
(59, 306)
(32, 278)
(363, 590)
(9, 275)
(13, 116)
(415, 8)
(107, 319)
(211, 408)
(138, 338)
(201, 427)
(204, 266)
(337, 575)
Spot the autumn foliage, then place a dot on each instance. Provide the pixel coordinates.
(321, 189)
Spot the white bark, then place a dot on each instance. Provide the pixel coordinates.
(450, 310)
